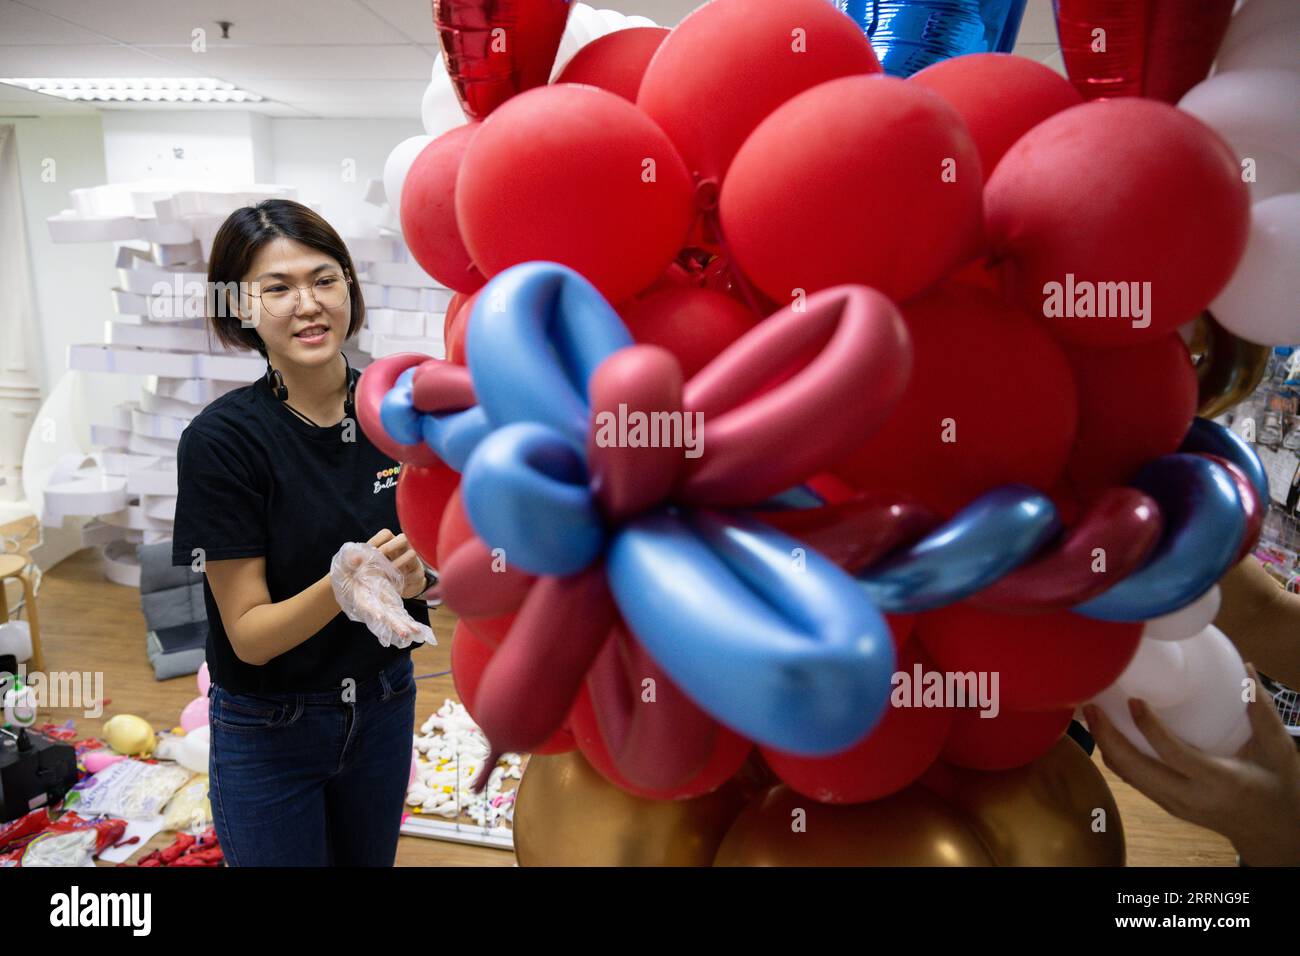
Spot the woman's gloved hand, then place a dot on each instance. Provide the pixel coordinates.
(369, 586)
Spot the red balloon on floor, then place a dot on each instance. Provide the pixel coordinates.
(999, 96)
(615, 62)
(732, 62)
(428, 210)
(1135, 404)
(867, 180)
(1010, 739)
(1118, 220)
(991, 401)
(1043, 661)
(899, 750)
(579, 176)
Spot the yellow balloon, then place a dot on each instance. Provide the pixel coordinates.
(566, 814)
(1057, 811)
(910, 828)
(130, 735)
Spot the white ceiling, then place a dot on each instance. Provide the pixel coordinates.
(309, 58)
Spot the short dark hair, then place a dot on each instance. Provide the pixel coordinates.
(236, 245)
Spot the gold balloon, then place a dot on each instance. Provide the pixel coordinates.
(1230, 368)
(910, 828)
(566, 814)
(1044, 814)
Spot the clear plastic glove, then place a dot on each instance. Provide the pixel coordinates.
(368, 589)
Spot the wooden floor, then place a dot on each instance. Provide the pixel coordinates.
(89, 624)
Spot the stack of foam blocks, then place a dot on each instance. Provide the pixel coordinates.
(163, 235)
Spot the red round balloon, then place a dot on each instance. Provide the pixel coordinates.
(422, 496)
(1043, 661)
(428, 210)
(867, 180)
(579, 176)
(693, 324)
(454, 326)
(469, 656)
(1118, 220)
(732, 62)
(900, 748)
(729, 752)
(991, 400)
(1011, 738)
(1000, 97)
(615, 62)
(1135, 404)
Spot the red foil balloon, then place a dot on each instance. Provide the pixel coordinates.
(1149, 48)
(497, 48)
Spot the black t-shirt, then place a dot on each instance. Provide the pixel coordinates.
(254, 480)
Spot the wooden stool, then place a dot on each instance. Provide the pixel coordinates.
(15, 566)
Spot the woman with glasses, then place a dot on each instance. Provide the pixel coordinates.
(311, 718)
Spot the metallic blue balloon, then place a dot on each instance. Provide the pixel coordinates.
(397, 411)
(453, 436)
(536, 334)
(1210, 438)
(766, 635)
(909, 35)
(1204, 527)
(986, 540)
(525, 491)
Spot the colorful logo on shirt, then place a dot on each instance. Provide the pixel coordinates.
(387, 478)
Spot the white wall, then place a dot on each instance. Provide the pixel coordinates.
(329, 160)
(57, 154)
(187, 145)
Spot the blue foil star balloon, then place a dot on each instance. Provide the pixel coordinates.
(909, 35)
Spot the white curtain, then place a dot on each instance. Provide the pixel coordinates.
(20, 384)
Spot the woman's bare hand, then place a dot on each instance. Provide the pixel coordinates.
(1252, 798)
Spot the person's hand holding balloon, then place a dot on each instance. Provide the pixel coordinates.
(1252, 798)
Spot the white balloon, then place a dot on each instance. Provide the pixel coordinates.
(1258, 113)
(1271, 49)
(193, 751)
(398, 165)
(1259, 303)
(1207, 718)
(440, 109)
(1208, 712)
(586, 24)
(1186, 621)
(1157, 674)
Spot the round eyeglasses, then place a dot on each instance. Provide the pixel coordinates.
(282, 299)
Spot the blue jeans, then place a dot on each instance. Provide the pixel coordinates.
(312, 779)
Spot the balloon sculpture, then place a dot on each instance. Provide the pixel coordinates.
(776, 387)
